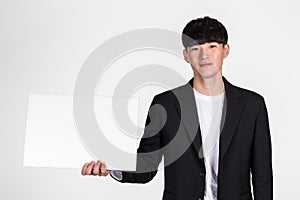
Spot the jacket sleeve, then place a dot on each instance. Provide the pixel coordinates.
(148, 153)
(262, 175)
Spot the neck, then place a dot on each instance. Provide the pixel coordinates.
(209, 86)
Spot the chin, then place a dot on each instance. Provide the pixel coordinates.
(207, 75)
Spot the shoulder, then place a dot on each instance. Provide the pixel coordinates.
(167, 97)
(252, 99)
(249, 93)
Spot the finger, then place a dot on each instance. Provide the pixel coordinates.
(89, 170)
(83, 170)
(104, 171)
(96, 169)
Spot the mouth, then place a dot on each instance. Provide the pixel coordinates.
(205, 64)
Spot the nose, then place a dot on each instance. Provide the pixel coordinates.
(203, 53)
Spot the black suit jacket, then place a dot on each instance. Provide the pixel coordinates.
(172, 130)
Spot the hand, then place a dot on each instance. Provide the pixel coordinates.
(95, 169)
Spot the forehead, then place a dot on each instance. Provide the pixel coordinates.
(205, 44)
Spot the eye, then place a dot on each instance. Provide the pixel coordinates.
(194, 48)
(212, 46)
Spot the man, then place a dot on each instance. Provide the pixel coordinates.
(212, 134)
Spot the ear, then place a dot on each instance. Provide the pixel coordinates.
(185, 56)
(226, 50)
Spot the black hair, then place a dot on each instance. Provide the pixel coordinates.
(203, 30)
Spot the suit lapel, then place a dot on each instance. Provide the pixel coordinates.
(188, 111)
(233, 108)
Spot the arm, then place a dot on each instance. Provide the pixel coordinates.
(261, 168)
(148, 153)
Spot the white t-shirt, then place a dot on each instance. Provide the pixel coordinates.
(209, 110)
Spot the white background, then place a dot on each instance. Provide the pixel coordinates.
(44, 43)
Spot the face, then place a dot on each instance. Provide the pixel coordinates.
(206, 59)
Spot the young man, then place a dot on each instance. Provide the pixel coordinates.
(212, 134)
